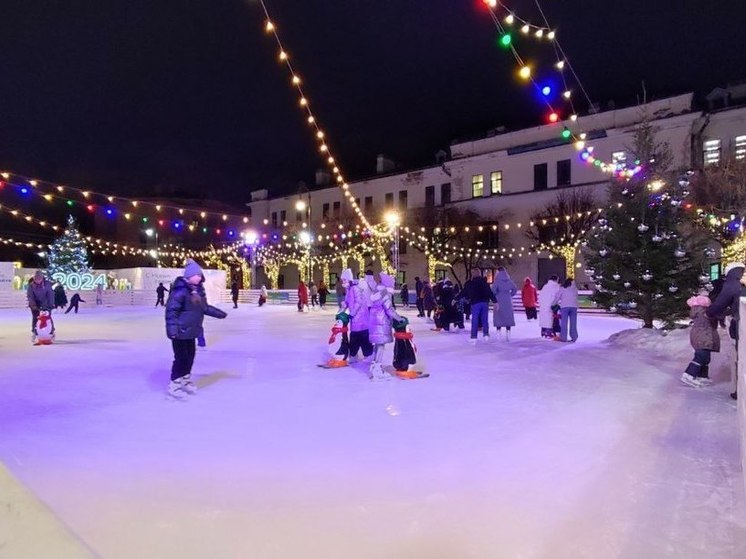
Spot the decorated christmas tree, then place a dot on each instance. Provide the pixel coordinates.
(68, 253)
(644, 256)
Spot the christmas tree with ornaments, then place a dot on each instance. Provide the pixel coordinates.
(68, 253)
(645, 256)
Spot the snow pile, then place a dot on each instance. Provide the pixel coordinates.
(675, 346)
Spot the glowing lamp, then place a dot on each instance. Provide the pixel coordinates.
(24, 190)
(566, 134)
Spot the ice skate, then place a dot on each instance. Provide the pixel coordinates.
(689, 380)
(507, 335)
(376, 372)
(486, 338)
(187, 385)
(473, 341)
(175, 391)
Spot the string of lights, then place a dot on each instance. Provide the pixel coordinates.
(305, 104)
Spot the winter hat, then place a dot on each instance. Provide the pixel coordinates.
(387, 280)
(733, 265)
(192, 269)
(346, 275)
(698, 301)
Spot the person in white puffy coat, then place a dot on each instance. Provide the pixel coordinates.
(546, 297)
(381, 315)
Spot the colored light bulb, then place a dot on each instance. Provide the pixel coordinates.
(506, 40)
(546, 90)
(525, 72)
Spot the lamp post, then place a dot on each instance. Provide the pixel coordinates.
(393, 220)
(250, 239)
(306, 238)
(150, 233)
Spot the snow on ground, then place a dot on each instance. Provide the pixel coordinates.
(526, 449)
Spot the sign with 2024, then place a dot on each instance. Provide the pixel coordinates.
(80, 282)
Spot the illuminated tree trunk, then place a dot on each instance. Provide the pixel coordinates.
(325, 272)
(569, 254)
(272, 271)
(735, 251)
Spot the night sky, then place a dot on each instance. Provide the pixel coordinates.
(123, 96)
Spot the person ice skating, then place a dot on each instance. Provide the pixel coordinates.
(546, 300)
(567, 299)
(234, 293)
(382, 314)
(60, 298)
(263, 295)
(302, 296)
(323, 293)
(477, 291)
(99, 295)
(404, 294)
(503, 288)
(728, 301)
(339, 291)
(185, 311)
(529, 298)
(75, 300)
(446, 312)
(419, 301)
(717, 287)
(704, 339)
(357, 304)
(339, 348)
(428, 298)
(40, 297)
(160, 293)
(313, 291)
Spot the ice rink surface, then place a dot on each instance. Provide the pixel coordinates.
(520, 449)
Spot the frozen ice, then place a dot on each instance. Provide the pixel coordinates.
(520, 449)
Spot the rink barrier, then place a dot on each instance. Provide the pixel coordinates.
(740, 383)
(28, 528)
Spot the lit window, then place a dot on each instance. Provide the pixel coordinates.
(740, 147)
(496, 182)
(477, 186)
(712, 152)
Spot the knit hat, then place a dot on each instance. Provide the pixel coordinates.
(346, 275)
(192, 269)
(733, 265)
(698, 301)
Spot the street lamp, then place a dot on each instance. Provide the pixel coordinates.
(302, 206)
(393, 220)
(305, 238)
(250, 239)
(150, 233)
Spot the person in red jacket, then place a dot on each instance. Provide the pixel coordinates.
(302, 296)
(529, 297)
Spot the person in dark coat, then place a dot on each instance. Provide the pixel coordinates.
(728, 302)
(717, 287)
(404, 294)
(160, 293)
(60, 299)
(446, 300)
(40, 298)
(504, 289)
(704, 339)
(185, 311)
(75, 300)
(419, 301)
(234, 294)
(323, 293)
(428, 298)
(477, 291)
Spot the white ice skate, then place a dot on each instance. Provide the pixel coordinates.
(175, 391)
(376, 372)
(187, 385)
(691, 380)
(507, 335)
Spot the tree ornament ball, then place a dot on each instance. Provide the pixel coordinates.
(612, 308)
(657, 238)
(647, 276)
(704, 278)
(632, 304)
(709, 252)
(679, 253)
(642, 228)
(627, 284)
(603, 252)
(616, 277)
(673, 289)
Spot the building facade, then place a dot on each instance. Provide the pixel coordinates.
(505, 179)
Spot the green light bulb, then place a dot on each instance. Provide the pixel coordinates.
(506, 40)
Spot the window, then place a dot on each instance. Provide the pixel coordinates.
(714, 271)
(298, 216)
(389, 202)
(403, 200)
(540, 176)
(445, 193)
(712, 152)
(401, 278)
(337, 209)
(740, 144)
(325, 210)
(357, 202)
(477, 186)
(248, 211)
(283, 217)
(564, 170)
(274, 219)
(496, 182)
(333, 279)
(369, 205)
(440, 275)
(429, 196)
